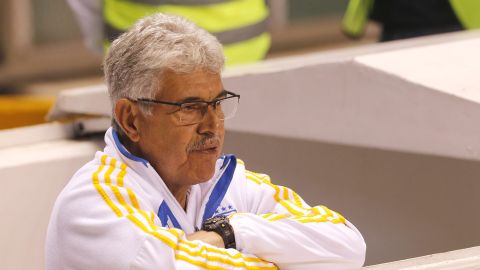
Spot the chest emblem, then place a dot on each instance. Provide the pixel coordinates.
(224, 210)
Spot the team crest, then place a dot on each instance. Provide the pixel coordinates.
(225, 210)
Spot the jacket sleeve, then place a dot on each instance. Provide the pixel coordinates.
(106, 223)
(163, 248)
(281, 228)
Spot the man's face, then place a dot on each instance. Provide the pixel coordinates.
(183, 155)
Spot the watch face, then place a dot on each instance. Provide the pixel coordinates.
(221, 225)
(212, 223)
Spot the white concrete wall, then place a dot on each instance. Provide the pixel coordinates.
(419, 96)
(464, 259)
(406, 205)
(422, 100)
(31, 176)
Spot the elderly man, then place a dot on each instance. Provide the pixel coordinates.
(161, 196)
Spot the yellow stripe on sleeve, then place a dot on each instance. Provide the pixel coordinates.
(108, 180)
(120, 182)
(133, 199)
(266, 216)
(239, 161)
(121, 175)
(254, 179)
(199, 249)
(297, 198)
(118, 195)
(277, 217)
(171, 237)
(285, 193)
(100, 190)
(214, 267)
(295, 206)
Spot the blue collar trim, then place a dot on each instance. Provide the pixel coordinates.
(124, 151)
(225, 161)
(164, 214)
(221, 187)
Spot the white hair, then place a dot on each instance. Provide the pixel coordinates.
(136, 61)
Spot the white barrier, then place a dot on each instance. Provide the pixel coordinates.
(31, 176)
(419, 96)
(465, 259)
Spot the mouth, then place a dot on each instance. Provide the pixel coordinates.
(206, 146)
(207, 150)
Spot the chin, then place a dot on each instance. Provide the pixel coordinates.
(203, 166)
(204, 172)
(204, 176)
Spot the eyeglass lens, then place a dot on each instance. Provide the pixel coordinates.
(194, 113)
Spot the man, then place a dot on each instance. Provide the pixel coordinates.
(160, 195)
(240, 25)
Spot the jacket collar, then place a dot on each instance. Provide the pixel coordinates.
(116, 149)
(215, 188)
(143, 168)
(115, 146)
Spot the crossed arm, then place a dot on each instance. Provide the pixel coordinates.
(277, 229)
(281, 228)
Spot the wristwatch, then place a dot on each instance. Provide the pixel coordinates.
(221, 225)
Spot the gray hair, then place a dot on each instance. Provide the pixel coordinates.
(135, 62)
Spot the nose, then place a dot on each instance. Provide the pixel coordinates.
(211, 122)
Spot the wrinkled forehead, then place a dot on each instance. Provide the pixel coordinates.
(200, 84)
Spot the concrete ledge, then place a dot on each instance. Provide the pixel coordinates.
(463, 259)
(417, 96)
(35, 134)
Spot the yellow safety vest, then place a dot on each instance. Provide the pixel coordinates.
(468, 12)
(356, 15)
(240, 25)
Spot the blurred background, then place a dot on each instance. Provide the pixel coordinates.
(42, 48)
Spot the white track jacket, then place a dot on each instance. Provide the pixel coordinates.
(116, 213)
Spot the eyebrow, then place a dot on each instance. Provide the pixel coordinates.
(192, 99)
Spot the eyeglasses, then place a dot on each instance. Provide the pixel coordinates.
(193, 112)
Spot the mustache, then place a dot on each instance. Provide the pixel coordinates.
(204, 142)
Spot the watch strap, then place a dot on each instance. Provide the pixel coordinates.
(221, 225)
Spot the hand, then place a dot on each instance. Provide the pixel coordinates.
(211, 238)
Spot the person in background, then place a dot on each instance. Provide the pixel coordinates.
(162, 196)
(402, 19)
(240, 25)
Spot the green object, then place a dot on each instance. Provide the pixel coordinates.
(468, 12)
(240, 25)
(356, 17)
(300, 10)
(358, 11)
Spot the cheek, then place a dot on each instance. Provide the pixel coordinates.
(222, 132)
(168, 144)
(201, 168)
(176, 144)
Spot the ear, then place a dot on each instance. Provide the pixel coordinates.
(127, 116)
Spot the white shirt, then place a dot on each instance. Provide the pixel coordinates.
(117, 213)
